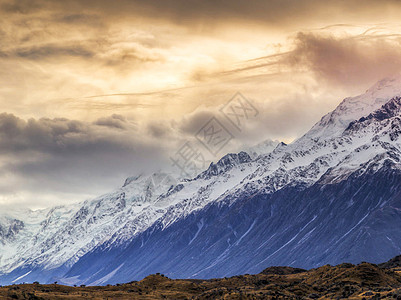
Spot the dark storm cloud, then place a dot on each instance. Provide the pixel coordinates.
(208, 11)
(79, 18)
(114, 121)
(90, 51)
(347, 61)
(58, 136)
(342, 61)
(191, 123)
(20, 6)
(54, 155)
(271, 11)
(159, 129)
(46, 51)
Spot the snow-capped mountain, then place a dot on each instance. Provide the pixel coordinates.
(333, 195)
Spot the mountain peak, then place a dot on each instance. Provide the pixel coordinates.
(355, 108)
(389, 110)
(386, 88)
(225, 163)
(261, 148)
(149, 186)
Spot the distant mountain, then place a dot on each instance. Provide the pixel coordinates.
(333, 195)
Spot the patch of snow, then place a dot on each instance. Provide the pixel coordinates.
(19, 278)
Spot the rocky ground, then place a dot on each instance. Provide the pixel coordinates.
(363, 281)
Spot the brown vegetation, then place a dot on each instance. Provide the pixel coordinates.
(363, 281)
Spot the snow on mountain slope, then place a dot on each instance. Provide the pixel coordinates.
(362, 131)
(60, 236)
(264, 147)
(354, 108)
(57, 236)
(343, 140)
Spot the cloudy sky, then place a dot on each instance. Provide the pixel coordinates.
(94, 91)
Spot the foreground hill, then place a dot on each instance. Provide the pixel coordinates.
(365, 280)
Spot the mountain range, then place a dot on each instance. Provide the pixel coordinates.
(331, 196)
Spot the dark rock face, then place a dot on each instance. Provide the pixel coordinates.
(392, 263)
(9, 230)
(355, 220)
(389, 110)
(226, 163)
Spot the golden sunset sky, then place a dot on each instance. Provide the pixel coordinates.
(94, 91)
